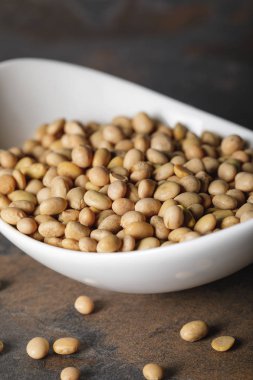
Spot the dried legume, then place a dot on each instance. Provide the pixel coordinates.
(128, 184)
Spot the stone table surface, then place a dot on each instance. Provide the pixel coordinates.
(200, 52)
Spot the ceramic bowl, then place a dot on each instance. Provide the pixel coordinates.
(34, 91)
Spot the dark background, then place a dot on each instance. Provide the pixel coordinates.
(200, 52)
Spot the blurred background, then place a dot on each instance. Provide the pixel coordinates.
(197, 51)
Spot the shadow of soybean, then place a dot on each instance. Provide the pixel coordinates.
(4, 284)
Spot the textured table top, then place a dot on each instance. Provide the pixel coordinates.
(197, 52)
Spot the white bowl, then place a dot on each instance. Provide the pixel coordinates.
(34, 91)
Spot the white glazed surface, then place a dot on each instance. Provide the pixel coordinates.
(34, 91)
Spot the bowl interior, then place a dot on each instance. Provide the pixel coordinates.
(35, 91)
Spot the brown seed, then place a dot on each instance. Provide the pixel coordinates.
(148, 206)
(128, 243)
(4, 202)
(205, 224)
(231, 144)
(131, 217)
(156, 157)
(98, 176)
(139, 230)
(223, 343)
(8, 160)
(117, 189)
(75, 198)
(142, 123)
(98, 200)
(71, 244)
(27, 226)
(70, 373)
(248, 215)
(164, 171)
(146, 188)
(7, 184)
(110, 243)
(1, 346)
(111, 223)
(53, 206)
(76, 231)
(101, 157)
(161, 231)
(87, 244)
(12, 215)
(178, 234)
(132, 157)
(148, 243)
(82, 156)
(190, 184)
(167, 190)
(113, 134)
(69, 169)
(51, 228)
(224, 202)
(243, 181)
(188, 198)
(229, 221)
(84, 305)
(153, 371)
(193, 331)
(227, 172)
(37, 348)
(21, 195)
(87, 217)
(173, 217)
(122, 205)
(66, 346)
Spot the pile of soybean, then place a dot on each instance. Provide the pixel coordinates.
(131, 184)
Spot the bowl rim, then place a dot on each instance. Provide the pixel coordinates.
(176, 249)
